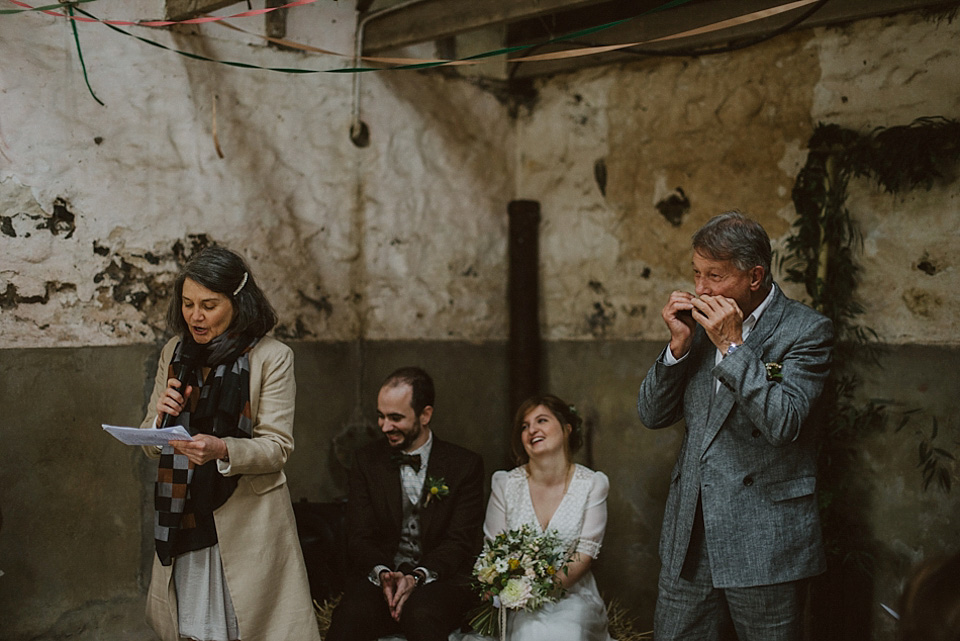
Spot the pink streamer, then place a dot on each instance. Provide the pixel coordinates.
(167, 23)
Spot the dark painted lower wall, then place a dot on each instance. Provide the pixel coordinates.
(75, 544)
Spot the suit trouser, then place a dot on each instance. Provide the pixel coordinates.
(431, 613)
(690, 608)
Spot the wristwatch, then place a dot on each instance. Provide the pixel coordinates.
(730, 350)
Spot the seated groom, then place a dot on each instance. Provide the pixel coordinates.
(415, 516)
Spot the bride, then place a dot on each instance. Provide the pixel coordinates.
(548, 491)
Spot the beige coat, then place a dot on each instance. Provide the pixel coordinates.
(262, 561)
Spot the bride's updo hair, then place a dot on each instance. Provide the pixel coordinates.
(563, 411)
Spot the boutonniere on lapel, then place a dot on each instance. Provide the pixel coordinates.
(436, 487)
(774, 372)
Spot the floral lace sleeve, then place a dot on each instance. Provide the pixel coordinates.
(595, 516)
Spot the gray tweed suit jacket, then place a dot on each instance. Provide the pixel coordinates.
(749, 451)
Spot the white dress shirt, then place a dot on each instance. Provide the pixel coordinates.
(412, 482)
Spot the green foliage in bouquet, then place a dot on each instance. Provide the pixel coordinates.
(517, 570)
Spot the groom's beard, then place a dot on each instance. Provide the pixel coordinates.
(408, 437)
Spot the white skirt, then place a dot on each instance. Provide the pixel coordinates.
(203, 601)
(580, 615)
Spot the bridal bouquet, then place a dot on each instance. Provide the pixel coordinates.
(517, 570)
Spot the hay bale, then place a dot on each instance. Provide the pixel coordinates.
(324, 614)
(623, 626)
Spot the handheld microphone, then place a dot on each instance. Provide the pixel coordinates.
(188, 356)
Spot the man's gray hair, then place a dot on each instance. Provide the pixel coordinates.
(734, 237)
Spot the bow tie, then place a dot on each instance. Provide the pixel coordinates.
(399, 459)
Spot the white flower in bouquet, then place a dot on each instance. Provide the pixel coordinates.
(516, 593)
(487, 574)
(518, 570)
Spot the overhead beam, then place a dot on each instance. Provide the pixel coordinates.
(708, 12)
(435, 19)
(186, 9)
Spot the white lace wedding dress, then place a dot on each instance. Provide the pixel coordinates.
(581, 516)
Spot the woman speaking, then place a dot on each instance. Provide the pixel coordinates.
(228, 566)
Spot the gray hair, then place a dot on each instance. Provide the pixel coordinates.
(734, 237)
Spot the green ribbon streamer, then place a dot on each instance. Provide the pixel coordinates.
(508, 50)
(83, 65)
(195, 56)
(49, 7)
(423, 65)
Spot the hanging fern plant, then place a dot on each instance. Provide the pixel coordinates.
(826, 238)
(820, 254)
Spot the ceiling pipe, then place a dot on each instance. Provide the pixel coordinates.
(523, 300)
(359, 132)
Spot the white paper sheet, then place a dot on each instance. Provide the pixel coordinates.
(136, 436)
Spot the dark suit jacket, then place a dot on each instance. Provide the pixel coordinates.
(451, 527)
(749, 451)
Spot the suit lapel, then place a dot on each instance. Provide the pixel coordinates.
(392, 488)
(723, 400)
(720, 406)
(436, 468)
(702, 384)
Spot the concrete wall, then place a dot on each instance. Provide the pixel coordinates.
(73, 501)
(905, 523)
(403, 244)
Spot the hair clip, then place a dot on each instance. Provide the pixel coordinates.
(242, 283)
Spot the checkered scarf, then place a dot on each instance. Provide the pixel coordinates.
(186, 495)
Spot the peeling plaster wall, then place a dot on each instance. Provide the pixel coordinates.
(911, 278)
(100, 204)
(628, 161)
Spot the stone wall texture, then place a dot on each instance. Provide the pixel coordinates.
(730, 131)
(99, 203)
(402, 244)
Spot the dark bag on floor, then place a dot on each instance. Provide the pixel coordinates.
(322, 528)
